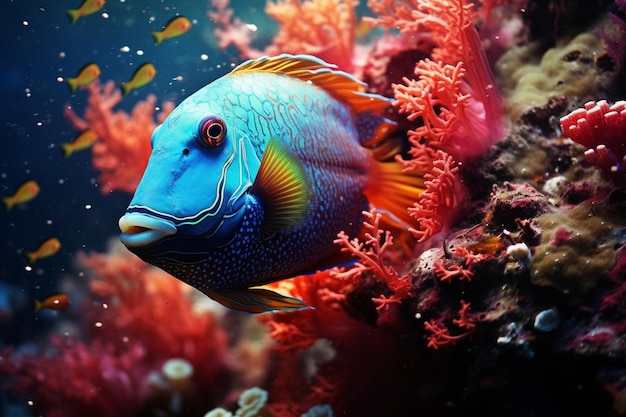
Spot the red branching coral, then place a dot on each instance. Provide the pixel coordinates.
(324, 28)
(435, 205)
(123, 147)
(296, 332)
(370, 255)
(323, 352)
(136, 318)
(601, 128)
(440, 335)
(455, 94)
(461, 265)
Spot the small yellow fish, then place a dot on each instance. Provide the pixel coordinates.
(53, 302)
(87, 74)
(86, 8)
(48, 248)
(175, 27)
(142, 76)
(83, 141)
(25, 192)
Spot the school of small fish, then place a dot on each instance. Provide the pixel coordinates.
(89, 73)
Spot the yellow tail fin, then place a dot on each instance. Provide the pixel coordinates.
(8, 203)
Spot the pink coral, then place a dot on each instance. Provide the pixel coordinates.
(601, 128)
(123, 147)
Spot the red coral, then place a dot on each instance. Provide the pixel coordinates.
(123, 147)
(435, 205)
(601, 128)
(371, 254)
(355, 346)
(440, 335)
(461, 265)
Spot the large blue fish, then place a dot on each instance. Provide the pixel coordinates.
(252, 177)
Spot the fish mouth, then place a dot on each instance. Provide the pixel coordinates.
(141, 230)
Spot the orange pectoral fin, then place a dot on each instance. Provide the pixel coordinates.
(255, 300)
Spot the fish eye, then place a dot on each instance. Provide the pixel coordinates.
(212, 130)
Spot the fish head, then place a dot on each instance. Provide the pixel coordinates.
(195, 185)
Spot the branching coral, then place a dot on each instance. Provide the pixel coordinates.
(440, 335)
(296, 332)
(370, 254)
(123, 146)
(455, 94)
(601, 128)
(435, 205)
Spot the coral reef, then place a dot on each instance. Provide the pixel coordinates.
(507, 298)
(141, 349)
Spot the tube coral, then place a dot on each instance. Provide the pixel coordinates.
(123, 146)
(601, 128)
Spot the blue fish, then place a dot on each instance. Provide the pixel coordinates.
(251, 178)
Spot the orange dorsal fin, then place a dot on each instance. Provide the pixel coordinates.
(340, 85)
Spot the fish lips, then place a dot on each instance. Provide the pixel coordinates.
(139, 230)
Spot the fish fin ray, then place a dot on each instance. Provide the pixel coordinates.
(255, 300)
(341, 85)
(282, 187)
(393, 191)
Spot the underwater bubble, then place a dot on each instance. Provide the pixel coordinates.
(139, 52)
(204, 57)
(105, 15)
(28, 268)
(60, 79)
(25, 23)
(125, 48)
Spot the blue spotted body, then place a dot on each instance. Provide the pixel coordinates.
(252, 177)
